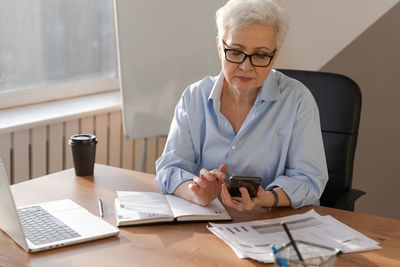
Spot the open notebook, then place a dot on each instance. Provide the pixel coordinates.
(149, 207)
(48, 225)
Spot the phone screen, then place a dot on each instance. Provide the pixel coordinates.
(251, 183)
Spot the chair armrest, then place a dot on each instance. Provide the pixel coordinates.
(346, 201)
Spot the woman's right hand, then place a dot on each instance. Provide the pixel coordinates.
(205, 188)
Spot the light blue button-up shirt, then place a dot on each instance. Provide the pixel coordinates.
(279, 141)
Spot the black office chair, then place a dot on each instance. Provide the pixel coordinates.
(339, 102)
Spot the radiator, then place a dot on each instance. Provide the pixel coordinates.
(34, 152)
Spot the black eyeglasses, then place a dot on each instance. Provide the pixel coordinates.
(257, 60)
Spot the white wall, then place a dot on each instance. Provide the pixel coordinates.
(320, 29)
(359, 39)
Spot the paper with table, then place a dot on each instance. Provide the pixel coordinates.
(148, 207)
(252, 239)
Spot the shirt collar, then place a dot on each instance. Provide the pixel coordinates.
(269, 91)
(215, 93)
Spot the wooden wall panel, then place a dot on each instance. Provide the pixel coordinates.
(115, 139)
(56, 147)
(137, 154)
(71, 128)
(161, 140)
(5, 153)
(87, 125)
(101, 131)
(38, 152)
(128, 146)
(151, 154)
(20, 166)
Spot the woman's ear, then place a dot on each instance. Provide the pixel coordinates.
(219, 48)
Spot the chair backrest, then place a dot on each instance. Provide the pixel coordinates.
(339, 102)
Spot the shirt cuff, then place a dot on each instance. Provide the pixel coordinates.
(169, 179)
(300, 192)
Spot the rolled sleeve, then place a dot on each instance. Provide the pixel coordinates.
(302, 189)
(177, 164)
(169, 179)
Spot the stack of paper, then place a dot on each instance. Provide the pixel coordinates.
(252, 239)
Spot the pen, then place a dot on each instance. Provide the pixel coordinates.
(292, 241)
(276, 252)
(101, 208)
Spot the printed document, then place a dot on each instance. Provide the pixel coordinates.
(252, 239)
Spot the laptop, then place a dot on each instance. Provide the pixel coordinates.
(48, 225)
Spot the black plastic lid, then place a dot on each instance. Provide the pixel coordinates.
(82, 139)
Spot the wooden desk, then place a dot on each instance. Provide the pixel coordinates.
(186, 244)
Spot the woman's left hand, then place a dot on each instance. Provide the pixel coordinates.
(245, 203)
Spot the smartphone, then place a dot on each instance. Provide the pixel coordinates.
(250, 182)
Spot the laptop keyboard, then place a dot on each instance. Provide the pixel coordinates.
(41, 227)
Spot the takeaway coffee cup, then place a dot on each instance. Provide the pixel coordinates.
(83, 148)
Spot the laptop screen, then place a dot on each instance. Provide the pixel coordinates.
(9, 220)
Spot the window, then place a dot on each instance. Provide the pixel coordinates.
(59, 48)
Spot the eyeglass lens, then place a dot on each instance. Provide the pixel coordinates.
(239, 57)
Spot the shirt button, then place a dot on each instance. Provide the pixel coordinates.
(226, 124)
(233, 147)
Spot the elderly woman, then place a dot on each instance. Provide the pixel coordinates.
(250, 120)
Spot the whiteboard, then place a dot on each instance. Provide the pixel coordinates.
(163, 46)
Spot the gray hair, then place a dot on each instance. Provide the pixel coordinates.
(237, 14)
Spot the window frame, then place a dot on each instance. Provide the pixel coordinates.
(18, 98)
